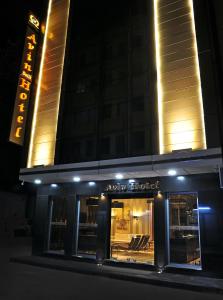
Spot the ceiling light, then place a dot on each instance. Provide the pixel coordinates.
(91, 183)
(132, 180)
(118, 176)
(180, 178)
(76, 179)
(172, 172)
(54, 185)
(37, 181)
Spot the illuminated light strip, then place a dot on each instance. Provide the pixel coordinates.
(203, 208)
(190, 2)
(159, 82)
(29, 164)
(50, 151)
(159, 77)
(61, 75)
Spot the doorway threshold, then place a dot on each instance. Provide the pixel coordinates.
(184, 266)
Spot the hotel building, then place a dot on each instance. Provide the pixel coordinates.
(122, 135)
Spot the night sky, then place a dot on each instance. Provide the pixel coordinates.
(13, 18)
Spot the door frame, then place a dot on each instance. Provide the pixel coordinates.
(143, 195)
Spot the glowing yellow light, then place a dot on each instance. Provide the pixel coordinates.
(38, 88)
(137, 214)
(33, 20)
(198, 71)
(51, 36)
(159, 84)
(180, 103)
(45, 117)
(43, 28)
(61, 74)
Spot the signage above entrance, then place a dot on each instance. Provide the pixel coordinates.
(133, 187)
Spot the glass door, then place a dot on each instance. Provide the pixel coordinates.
(88, 226)
(184, 233)
(132, 230)
(58, 224)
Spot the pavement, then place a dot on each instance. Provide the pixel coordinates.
(171, 280)
(26, 277)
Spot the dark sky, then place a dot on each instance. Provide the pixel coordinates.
(13, 21)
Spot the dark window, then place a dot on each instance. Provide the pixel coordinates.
(107, 112)
(122, 49)
(81, 88)
(76, 150)
(89, 148)
(139, 8)
(105, 145)
(83, 59)
(138, 104)
(120, 144)
(120, 109)
(80, 117)
(108, 52)
(137, 41)
(138, 140)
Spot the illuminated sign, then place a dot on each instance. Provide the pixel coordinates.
(24, 84)
(133, 187)
(34, 21)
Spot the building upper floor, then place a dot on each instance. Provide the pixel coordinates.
(120, 80)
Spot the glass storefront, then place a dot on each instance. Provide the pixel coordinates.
(132, 230)
(184, 233)
(87, 229)
(58, 224)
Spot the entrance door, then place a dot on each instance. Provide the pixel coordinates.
(58, 224)
(184, 234)
(132, 230)
(88, 225)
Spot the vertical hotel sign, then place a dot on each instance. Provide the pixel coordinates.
(25, 82)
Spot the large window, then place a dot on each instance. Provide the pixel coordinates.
(58, 223)
(87, 235)
(132, 234)
(184, 229)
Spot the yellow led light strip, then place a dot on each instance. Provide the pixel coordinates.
(191, 5)
(29, 163)
(159, 81)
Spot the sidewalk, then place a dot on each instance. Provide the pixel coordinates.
(188, 282)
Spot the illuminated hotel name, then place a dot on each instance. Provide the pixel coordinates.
(133, 187)
(25, 82)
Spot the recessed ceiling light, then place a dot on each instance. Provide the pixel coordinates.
(91, 183)
(172, 172)
(180, 178)
(54, 185)
(76, 179)
(118, 176)
(37, 181)
(132, 180)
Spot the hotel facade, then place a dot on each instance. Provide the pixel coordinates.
(122, 135)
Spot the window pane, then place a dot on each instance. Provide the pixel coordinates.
(132, 235)
(184, 229)
(58, 223)
(88, 225)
